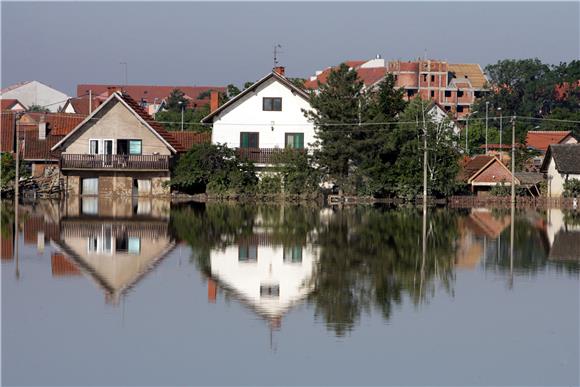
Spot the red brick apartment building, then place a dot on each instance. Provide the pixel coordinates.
(453, 86)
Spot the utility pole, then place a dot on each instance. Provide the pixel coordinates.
(513, 160)
(90, 101)
(424, 161)
(500, 131)
(17, 194)
(486, 115)
(181, 103)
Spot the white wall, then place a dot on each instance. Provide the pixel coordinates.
(270, 268)
(246, 115)
(36, 93)
(556, 180)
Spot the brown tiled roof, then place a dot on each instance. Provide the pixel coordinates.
(189, 138)
(166, 135)
(472, 166)
(369, 76)
(80, 105)
(36, 149)
(8, 104)
(58, 124)
(540, 140)
(149, 92)
(7, 132)
(473, 72)
(566, 157)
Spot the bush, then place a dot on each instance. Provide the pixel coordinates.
(298, 175)
(213, 169)
(572, 188)
(8, 169)
(270, 185)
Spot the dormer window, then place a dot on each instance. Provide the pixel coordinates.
(272, 104)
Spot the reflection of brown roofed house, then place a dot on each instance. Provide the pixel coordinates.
(484, 223)
(566, 246)
(62, 267)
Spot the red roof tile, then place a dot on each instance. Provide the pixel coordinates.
(8, 104)
(7, 132)
(369, 75)
(189, 138)
(540, 140)
(473, 165)
(151, 93)
(36, 149)
(166, 135)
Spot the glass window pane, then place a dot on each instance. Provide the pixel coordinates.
(135, 147)
(134, 245)
(277, 104)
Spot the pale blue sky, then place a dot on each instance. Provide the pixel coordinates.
(63, 44)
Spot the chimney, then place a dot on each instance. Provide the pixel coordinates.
(42, 128)
(214, 101)
(112, 89)
(280, 70)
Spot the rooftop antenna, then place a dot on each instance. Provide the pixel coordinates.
(276, 52)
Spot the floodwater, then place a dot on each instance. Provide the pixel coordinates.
(100, 292)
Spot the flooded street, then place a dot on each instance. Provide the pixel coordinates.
(144, 292)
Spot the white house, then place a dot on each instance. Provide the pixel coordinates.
(35, 93)
(264, 118)
(438, 115)
(562, 163)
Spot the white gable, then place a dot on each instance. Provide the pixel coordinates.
(246, 114)
(36, 93)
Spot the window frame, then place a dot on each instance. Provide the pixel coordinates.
(286, 143)
(272, 105)
(250, 134)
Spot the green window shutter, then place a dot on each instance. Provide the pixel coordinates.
(299, 140)
(245, 143)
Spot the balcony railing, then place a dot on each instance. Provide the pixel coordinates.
(261, 155)
(110, 162)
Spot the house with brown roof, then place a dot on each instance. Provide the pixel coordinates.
(484, 172)
(562, 163)
(152, 97)
(540, 140)
(12, 105)
(117, 150)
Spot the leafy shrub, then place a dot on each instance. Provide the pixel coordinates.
(270, 184)
(8, 169)
(215, 169)
(572, 188)
(296, 171)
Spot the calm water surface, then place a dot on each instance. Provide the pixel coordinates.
(102, 292)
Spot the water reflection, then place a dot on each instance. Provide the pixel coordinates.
(343, 263)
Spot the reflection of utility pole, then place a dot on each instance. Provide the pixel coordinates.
(424, 160)
(424, 250)
(512, 233)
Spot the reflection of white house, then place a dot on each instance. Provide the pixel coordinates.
(564, 238)
(270, 278)
(116, 253)
(264, 118)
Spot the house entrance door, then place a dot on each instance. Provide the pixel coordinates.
(108, 153)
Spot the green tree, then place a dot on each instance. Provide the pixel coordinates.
(38, 108)
(8, 168)
(296, 171)
(337, 108)
(176, 101)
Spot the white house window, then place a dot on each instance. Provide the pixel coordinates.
(270, 290)
(272, 104)
(94, 147)
(294, 140)
(293, 254)
(248, 253)
(249, 140)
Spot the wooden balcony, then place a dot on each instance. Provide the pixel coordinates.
(261, 155)
(115, 162)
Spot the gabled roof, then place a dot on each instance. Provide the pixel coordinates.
(8, 104)
(141, 115)
(487, 165)
(566, 157)
(80, 105)
(540, 139)
(273, 75)
(473, 165)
